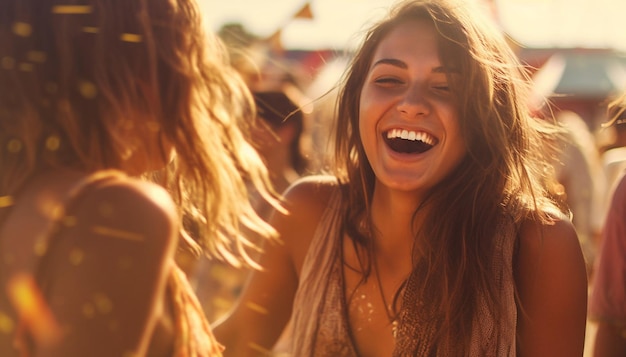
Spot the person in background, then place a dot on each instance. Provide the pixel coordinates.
(607, 305)
(276, 136)
(437, 235)
(119, 135)
(582, 181)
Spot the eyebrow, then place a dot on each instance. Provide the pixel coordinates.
(401, 64)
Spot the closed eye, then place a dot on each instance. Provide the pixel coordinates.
(388, 81)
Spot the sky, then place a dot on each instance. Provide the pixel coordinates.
(339, 24)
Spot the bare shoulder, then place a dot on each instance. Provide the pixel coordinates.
(551, 281)
(135, 207)
(311, 190)
(305, 201)
(541, 241)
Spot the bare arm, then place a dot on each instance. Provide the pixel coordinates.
(552, 285)
(262, 312)
(108, 271)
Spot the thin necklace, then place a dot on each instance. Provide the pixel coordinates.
(392, 319)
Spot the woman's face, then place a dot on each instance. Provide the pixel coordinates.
(408, 117)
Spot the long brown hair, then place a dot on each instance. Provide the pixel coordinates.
(76, 74)
(503, 176)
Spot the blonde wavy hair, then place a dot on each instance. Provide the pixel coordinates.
(75, 73)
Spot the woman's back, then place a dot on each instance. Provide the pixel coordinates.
(90, 243)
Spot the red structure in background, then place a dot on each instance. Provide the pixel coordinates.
(576, 79)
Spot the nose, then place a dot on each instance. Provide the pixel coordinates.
(414, 103)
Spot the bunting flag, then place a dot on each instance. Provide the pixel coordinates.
(305, 12)
(274, 40)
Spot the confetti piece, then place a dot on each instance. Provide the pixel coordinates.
(53, 143)
(259, 349)
(104, 305)
(51, 87)
(40, 248)
(6, 201)
(76, 256)
(69, 221)
(115, 233)
(32, 309)
(6, 323)
(89, 311)
(22, 29)
(87, 89)
(256, 307)
(7, 62)
(36, 56)
(131, 37)
(90, 29)
(124, 263)
(72, 9)
(26, 67)
(105, 209)
(14, 146)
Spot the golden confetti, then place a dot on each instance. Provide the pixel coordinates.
(53, 142)
(256, 307)
(131, 37)
(72, 9)
(90, 29)
(14, 146)
(106, 209)
(26, 67)
(40, 248)
(6, 201)
(69, 221)
(222, 303)
(259, 349)
(22, 29)
(87, 89)
(89, 311)
(76, 256)
(7, 62)
(116, 233)
(6, 323)
(104, 305)
(32, 309)
(36, 56)
(124, 263)
(52, 88)
(153, 126)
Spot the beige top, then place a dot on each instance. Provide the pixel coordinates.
(320, 317)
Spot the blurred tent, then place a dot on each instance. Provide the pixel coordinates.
(588, 74)
(580, 80)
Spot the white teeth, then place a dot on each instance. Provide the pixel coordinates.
(411, 135)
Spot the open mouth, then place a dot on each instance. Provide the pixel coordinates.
(409, 142)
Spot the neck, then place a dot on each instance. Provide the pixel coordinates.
(393, 216)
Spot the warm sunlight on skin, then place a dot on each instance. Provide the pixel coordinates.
(533, 23)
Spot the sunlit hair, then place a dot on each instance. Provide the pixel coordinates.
(616, 111)
(76, 75)
(504, 175)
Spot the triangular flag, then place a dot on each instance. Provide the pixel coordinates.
(305, 12)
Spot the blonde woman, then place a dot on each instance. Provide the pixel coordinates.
(118, 134)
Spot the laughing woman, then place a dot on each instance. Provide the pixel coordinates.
(438, 234)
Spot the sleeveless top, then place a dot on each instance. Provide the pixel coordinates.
(193, 336)
(320, 315)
